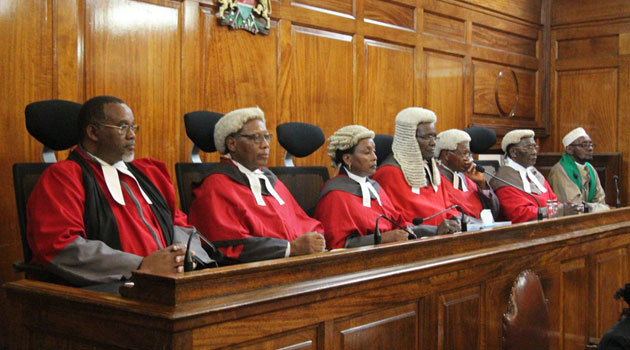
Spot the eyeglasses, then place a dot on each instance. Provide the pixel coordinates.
(584, 145)
(257, 138)
(530, 148)
(466, 155)
(427, 137)
(122, 129)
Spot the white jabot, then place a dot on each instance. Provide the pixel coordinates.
(526, 173)
(459, 181)
(110, 173)
(366, 188)
(433, 173)
(254, 178)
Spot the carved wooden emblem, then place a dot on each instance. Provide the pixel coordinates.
(506, 92)
(250, 15)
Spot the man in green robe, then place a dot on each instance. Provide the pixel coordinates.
(573, 178)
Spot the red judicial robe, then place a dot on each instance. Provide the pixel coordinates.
(341, 211)
(56, 231)
(517, 206)
(472, 201)
(225, 211)
(409, 204)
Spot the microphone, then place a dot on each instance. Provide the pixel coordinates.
(617, 200)
(482, 170)
(411, 234)
(189, 264)
(418, 221)
(188, 260)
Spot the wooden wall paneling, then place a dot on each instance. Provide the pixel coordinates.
(607, 265)
(603, 46)
(588, 98)
(68, 48)
(196, 23)
(394, 327)
(445, 89)
(241, 70)
(26, 68)
(132, 51)
(574, 291)
(341, 6)
(486, 84)
(390, 13)
(389, 75)
(523, 9)
(498, 40)
(319, 82)
(444, 26)
(300, 340)
(576, 11)
(459, 319)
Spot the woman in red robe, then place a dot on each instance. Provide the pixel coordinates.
(351, 203)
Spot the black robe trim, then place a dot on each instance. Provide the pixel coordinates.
(98, 217)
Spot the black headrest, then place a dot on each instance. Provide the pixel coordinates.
(300, 139)
(53, 123)
(383, 146)
(482, 138)
(200, 128)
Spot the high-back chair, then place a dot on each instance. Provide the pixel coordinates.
(54, 124)
(526, 324)
(200, 130)
(383, 144)
(304, 182)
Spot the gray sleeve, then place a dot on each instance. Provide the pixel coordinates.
(424, 230)
(85, 262)
(356, 240)
(255, 249)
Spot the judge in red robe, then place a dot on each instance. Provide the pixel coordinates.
(351, 202)
(463, 184)
(94, 218)
(243, 208)
(410, 175)
(517, 205)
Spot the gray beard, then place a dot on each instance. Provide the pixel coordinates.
(128, 157)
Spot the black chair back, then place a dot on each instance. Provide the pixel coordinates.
(304, 183)
(383, 145)
(189, 174)
(25, 177)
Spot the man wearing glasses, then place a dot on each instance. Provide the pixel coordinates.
(242, 207)
(464, 185)
(521, 152)
(573, 178)
(410, 175)
(99, 215)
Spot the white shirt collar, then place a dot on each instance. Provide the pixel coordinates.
(366, 188)
(526, 173)
(112, 179)
(254, 178)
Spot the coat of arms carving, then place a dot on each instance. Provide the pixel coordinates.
(250, 15)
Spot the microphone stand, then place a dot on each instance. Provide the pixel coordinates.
(617, 199)
(540, 214)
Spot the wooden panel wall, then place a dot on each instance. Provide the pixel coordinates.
(590, 76)
(327, 62)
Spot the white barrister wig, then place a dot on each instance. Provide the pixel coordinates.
(346, 138)
(449, 139)
(513, 137)
(405, 147)
(573, 135)
(233, 122)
